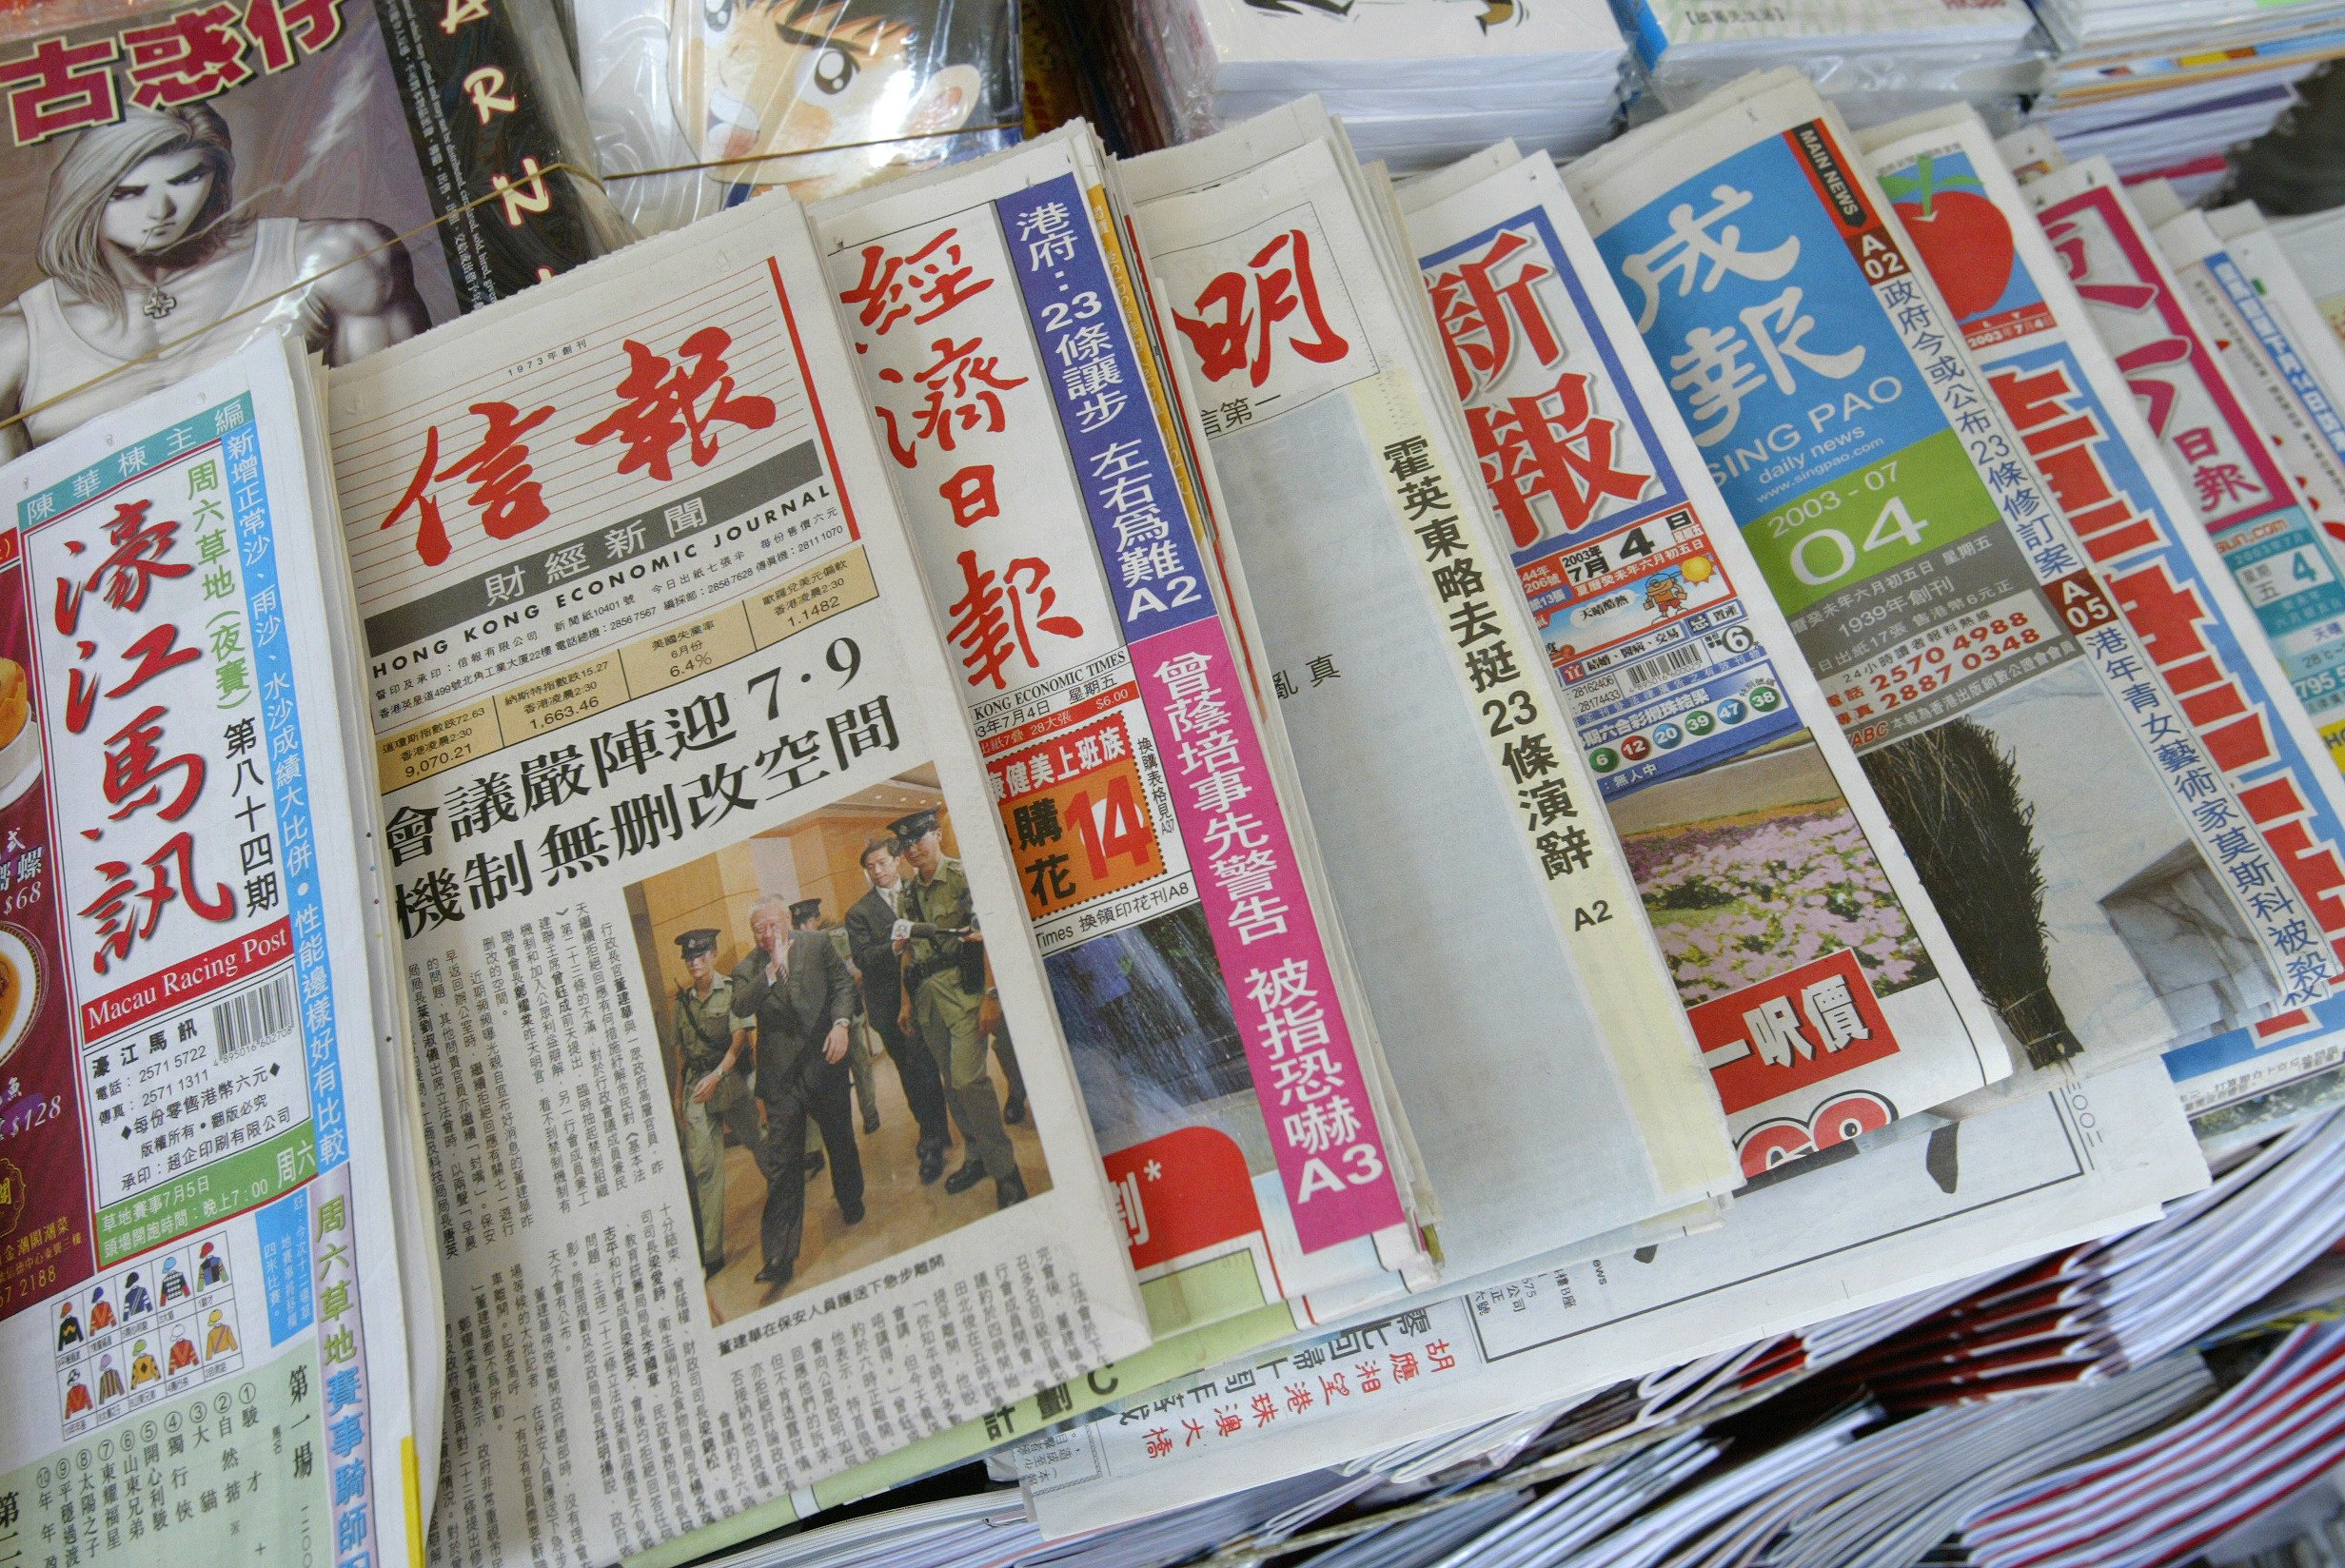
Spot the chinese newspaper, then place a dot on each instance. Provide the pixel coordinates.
(667, 742)
(1225, 1054)
(2276, 370)
(2225, 486)
(1942, 599)
(1826, 996)
(2279, 825)
(211, 1274)
(1144, 810)
(1423, 730)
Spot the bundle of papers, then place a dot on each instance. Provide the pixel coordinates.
(2116, 1473)
(1916, 1213)
(2171, 1493)
(2178, 133)
(1944, 645)
(1874, 59)
(1418, 81)
(2165, 88)
(1894, 1493)
(1345, 495)
(2093, 1312)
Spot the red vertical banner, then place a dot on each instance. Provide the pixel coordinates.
(46, 1226)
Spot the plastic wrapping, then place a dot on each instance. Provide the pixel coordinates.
(177, 183)
(697, 104)
(1416, 82)
(1876, 60)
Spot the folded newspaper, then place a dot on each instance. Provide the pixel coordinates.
(1406, 671)
(1168, 867)
(1974, 658)
(1225, 1062)
(1039, 626)
(2084, 1160)
(222, 1324)
(2139, 524)
(654, 684)
(2220, 452)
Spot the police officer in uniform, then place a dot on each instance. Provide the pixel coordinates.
(794, 991)
(712, 1099)
(944, 980)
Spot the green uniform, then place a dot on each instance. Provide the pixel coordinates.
(859, 1033)
(944, 1012)
(701, 1033)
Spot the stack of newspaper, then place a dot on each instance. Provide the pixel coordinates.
(1820, 1475)
(1418, 81)
(2265, 1440)
(2075, 576)
(1875, 59)
(2097, 1309)
(1954, 619)
(2163, 86)
(1556, 796)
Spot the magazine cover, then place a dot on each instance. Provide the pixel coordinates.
(698, 104)
(361, 171)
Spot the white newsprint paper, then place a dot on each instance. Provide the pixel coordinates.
(2087, 1159)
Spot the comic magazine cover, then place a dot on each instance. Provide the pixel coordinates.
(698, 104)
(176, 182)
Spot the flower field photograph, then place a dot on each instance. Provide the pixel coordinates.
(1737, 896)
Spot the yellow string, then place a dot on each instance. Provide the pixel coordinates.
(827, 147)
(600, 181)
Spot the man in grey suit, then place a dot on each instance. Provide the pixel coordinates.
(794, 990)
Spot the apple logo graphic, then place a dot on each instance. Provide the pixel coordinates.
(1964, 240)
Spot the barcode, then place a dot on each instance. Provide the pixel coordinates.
(251, 1019)
(1676, 662)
